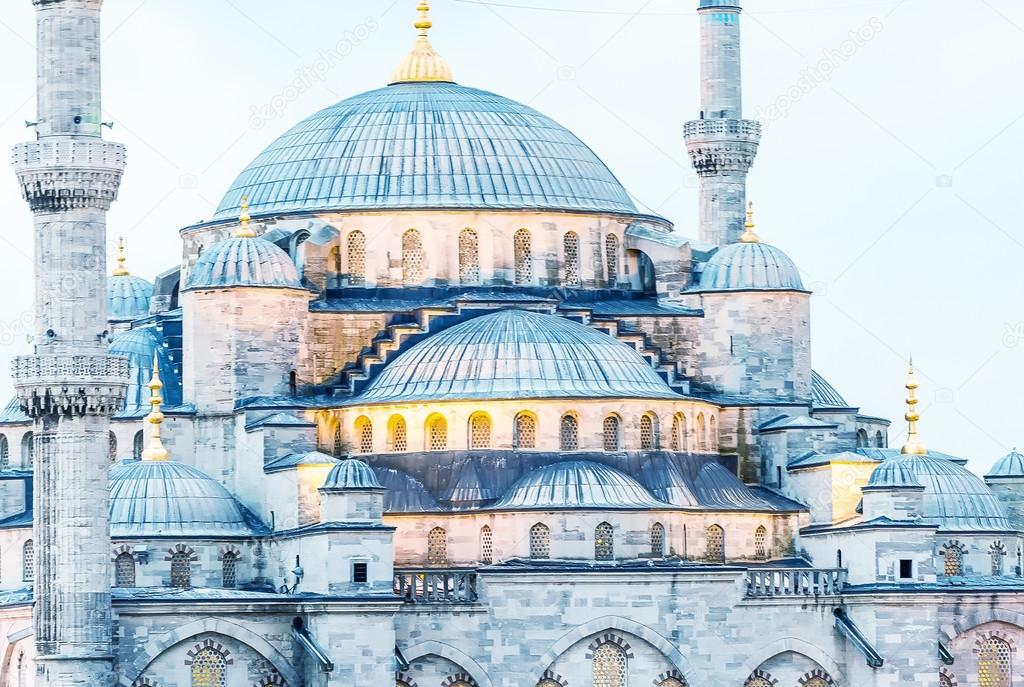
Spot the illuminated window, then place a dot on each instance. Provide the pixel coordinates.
(124, 570)
(609, 666)
(486, 545)
(229, 570)
(954, 565)
(569, 433)
(181, 570)
(479, 431)
(437, 433)
(28, 561)
(28, 450)
(525, 431)
(648, 432)
(112, 446)
(5, 453)
(540, 541)
(657, 540)
(994, 663)
(611, 256)
(701, 431)
(364, 432)
(571, 244)
(412, 257)
(209, 669)
(760, 541)
(398, 434)
(604, 542)
(714, 550)
(437, 547)
(469, 257)
(523, 257)
(998, 554)
(612, 433)
(138, 445)
(356, 257)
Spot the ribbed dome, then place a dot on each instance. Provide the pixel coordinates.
(750, 267)
(351, 474)
(127, 297)
(515, 354)
(426, 145)
(577, 484)
(243, 262)
(139, 346)
(954, 498)
(824, 394)
(893, 473)
(160, 498)
(1010, 465)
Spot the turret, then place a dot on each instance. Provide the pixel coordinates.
(1006, 480)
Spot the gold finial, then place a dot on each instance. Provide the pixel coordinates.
(748, 229)
(244, 230)
(423, 63)
(913, 445)
(120, 270)
(155, 450)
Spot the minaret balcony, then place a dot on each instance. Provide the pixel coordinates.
(70, 384)
(59, 173)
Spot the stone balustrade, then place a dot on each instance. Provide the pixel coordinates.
(436, 586)
(782, 582)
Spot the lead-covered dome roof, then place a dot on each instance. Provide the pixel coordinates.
(243, 261)
(128, 297)
(516, 354)
(140, 346)
(577, 484)
(1010, 466)
(351, 474)
(750, 267)
(426, 145)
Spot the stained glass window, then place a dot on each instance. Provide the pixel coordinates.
(525, 431)
(994, 663)
(229, 570)
(437, 547)
(954, 565)
(399, 438)
(479, 431)
(124, 570)
(609, 666)
(611, 253)
(604, 542)
(437, 434)
(648, 435)
(572, 258)
(523, 257)
(469, 257)
(28, 561)
(356, 257)
(657, 540)
(540, 541)
(569, 433)
(181, 570)
(715, 544)
(760, 541)
(209, 669)
(612, 440)
(364, 430)
(412, 257)
(486, 545)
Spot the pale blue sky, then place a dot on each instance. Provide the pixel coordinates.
(894, 184)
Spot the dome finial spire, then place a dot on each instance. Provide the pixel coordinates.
(155, 450)
(120, 270)
(913, 445)
(423, 63)
(244, 230)
(748, 229)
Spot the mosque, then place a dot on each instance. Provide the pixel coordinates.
(430, 403)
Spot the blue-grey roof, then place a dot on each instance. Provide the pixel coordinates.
(166, 498)
(295, 459)
(750, 267)
(893, 473)
(279, 420)
(794, 422)
(824, 395)
(139, 346)
(351, 474)
(13, 414)
(1010, 465)
(127, 297)
(243, 262)
(426, 145)
(404, 493)
(577, 484)
(516, 354)
(688, 482)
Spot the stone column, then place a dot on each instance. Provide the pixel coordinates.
(69, 385)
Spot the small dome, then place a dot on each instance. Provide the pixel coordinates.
(516, 354)
(165, 498)
(893, 473)
(824, 394)
(351, 474)
(127, 297)
(750, 267)
(1010, 465)
(139, 346)
(577, 484)
(243, 261)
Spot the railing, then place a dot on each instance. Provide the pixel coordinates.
(436, 586)
(774, 582)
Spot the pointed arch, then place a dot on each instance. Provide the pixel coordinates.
(571, 253)
(447, 651)
(364, 434)
(523, 247)
(436, 433)
(28, 450)
(763, 654)
(138, 444)
(28, 561)
(356, 255)
(469, 257)
(714, 544)
(604, 542)
(5, 453)
(657, 535)
(479, 431)
(612, 433)
(398, 434)
(412, 258)
(700, 432)
(524, 431)
(540, 541)
(569, 433)
(649, 431)
(486, 544)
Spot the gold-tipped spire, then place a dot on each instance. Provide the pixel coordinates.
(913, 445)
(423, 63)
(748, 229)
(155, 450)
(120, 270)
(244, 230)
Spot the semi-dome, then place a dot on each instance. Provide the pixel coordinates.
(750, 267)
(516, 354)
(577, 484)
(427, 145)
(404, 493)
(140, 346)
(128, 297)
(824, 395)
(1011, 466)
(243, 261)
(165, 498)
(351, 474)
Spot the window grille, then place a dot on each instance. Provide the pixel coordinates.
(569, 433)
(611, 255)
(954, 566)
(658, 540)
(648, 441)
(998, 552)
(437, 547)
(757, 681)
(365, 430)
(994, 663)
(181, 570)
(609, 666)
(28, 561)
(675, 443)
(760, 540)
(523, 257)
(816, 681)
(437, 434)
(486, 545)
(479, 431)
(5, 453)
(945, 680)
(356, 258)
(469, 257)
(399, 435)
(412, 257)
(209, 669)
(604, 542)
(715, 544)
(124, 570)
(229, 570)
(572, 258)
(540, 541)
(611, 434)
(525, 431)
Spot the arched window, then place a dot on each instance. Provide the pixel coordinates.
(334, 258)
(112, 447)
(839, 558)
(862, 439)
(523, 257)
(612, 433)
(569, 433)
(486, 545)
(879, 439)
(648, 432)
(760, 542)
(5, 453)
(676, 438)
(714, 551)
(609, 666)
(437, 433)
(28, 561)
(994, 663)
(524, 431)
(945, 680)
(604, 542)
(540, 541)
(954, 565)
(181, 569)
(356, 258)
(672, 681)
(209, 668)
(712, 434)
(998, 553)
(364, 433)
(571, 245)
(816, 681)
(658, 540)
(138, 445)
(469, 257)
(412, 257)
(701, 432)
(479, 431)
(398, 434)
(611, 257)
(437, 547)
(124, 569)
(229, 570)
(28, 450)
(759, 680)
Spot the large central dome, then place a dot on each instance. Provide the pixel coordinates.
(427, 145)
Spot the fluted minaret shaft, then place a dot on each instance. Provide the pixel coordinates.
(70, 387)
(722, 144)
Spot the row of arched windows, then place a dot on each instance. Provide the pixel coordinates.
(864, 439)
(953, 553)
(181, 569)
(479, 430)
(414, 259)
(28, 451)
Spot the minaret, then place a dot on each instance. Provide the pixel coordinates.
(722, 144)
(70, 386)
